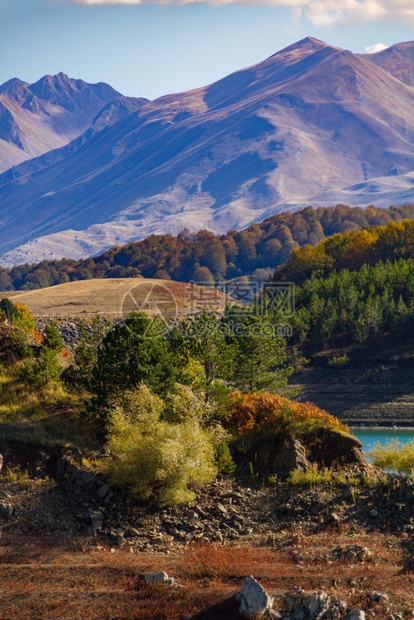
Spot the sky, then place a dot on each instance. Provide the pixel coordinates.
(156, 47)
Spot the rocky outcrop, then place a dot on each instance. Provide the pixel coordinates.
(329, 448)
(281, 455)
(252, 601)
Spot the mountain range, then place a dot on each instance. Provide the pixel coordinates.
(312, 124)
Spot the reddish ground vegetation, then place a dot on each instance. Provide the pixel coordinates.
(86, 580)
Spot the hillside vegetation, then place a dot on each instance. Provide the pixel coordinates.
(205, 257)
(353, 286)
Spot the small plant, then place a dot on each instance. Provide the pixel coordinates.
(224, 460)
(311, 476)
(42, 370)
(16, 475)
(339, 361)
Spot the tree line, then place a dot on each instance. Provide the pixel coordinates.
(205, 256)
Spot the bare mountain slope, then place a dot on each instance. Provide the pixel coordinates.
(397, 60)
(35, 118)
(311, 124)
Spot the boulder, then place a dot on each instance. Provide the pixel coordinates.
(329, 448)
(291, 456)
(277, 455)
(154, 579)
(253, 598)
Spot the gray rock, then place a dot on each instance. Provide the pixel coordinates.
(356, 614)
(291, 456)
(96, 518)
(103, 491)
(253, 599)
(155, 578)
(6, 510)
(379, 597)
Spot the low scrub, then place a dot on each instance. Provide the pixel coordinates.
(158, 459)
(253, 414)
(311, 476)
(394, 457)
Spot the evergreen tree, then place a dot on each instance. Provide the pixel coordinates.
(52, 338)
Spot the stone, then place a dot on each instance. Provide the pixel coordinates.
(6, 510)
(253, 599)
(120, 540)
(155, 578)
(103, 491)
(356, 614)
(379, 597)
(222, 509)
(291, 456)
(96, 518)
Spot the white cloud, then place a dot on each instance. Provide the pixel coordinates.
(319, 12)
(373, 49)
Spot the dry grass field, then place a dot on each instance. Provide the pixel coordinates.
(119, 297)
(87, 580)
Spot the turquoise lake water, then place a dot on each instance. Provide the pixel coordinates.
(369, 437)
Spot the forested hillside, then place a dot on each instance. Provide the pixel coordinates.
(350, 250)
(206, 257)
(353, 286)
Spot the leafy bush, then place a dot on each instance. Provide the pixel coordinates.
(395, 457)
(339, 361)
(23, 319)
(157, 459)
(183, 403)
(13, 345)
(252, 414)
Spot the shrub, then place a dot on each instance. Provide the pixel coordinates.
(9, 309)
(13, 345)
(154, 458)
(224, 460)
(23, 319)
(42, 370)
(311, 476)
(269, 413)
(52, 338)
(183, 403)
(339, 361)
(395, 457)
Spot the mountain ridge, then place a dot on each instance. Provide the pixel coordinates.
(36, 118)
(311, 124)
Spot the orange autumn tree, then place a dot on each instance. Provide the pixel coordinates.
(260, 413)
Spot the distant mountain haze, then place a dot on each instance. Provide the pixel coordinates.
(312, 124)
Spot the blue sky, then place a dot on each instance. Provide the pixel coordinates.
(155, 48)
